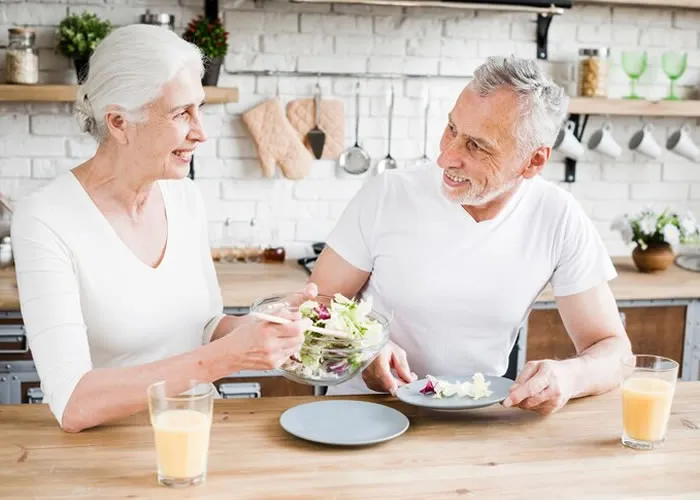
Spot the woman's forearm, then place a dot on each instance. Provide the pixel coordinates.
(226, 326)
(106, 394)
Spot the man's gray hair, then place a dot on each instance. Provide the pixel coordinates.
(543, 103)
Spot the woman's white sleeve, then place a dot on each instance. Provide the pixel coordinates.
(50, 305)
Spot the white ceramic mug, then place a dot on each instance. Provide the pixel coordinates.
(567, 143)
(680, 143)
(602, 141)
(643, 142)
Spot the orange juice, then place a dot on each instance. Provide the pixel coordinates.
(646, 406)
(182, 443)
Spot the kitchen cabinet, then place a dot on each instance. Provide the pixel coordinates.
(652, 329)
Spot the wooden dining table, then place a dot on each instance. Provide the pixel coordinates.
(494, 452)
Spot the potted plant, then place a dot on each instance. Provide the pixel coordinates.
(78, 35)
(212, 39)
(654, 235)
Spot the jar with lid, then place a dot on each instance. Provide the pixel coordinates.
(593, 72)
(21, 58)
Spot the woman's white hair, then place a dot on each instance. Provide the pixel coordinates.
(543, 103)
(128, 69)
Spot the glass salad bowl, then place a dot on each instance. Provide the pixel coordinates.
(347, 336)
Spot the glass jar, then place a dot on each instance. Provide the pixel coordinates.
(593, 72)
(22, 58)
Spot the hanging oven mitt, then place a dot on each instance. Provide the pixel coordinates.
(276, 141)
(301, 114)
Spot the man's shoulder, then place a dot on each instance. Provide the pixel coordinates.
(550, 194)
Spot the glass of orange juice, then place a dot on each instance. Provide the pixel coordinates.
(181, 425)
(647, 392)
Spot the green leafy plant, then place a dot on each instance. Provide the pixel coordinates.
(209, 35)
(649, 227)
(79, 34)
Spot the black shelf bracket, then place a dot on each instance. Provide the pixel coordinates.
(543, 22)
(570, 163)
(211, 11)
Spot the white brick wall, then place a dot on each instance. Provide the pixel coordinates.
(37, 141)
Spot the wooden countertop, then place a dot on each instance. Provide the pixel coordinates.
(241, 284)
(489, 453)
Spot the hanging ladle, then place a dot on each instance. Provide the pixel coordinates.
(388, 163)
(354, 159)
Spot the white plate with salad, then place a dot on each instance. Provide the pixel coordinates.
(455, 393)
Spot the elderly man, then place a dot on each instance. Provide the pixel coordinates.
(459, 253)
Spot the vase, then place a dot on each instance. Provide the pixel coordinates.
(82, 66)
(211, 71)
(656, 257)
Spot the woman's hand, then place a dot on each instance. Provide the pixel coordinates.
(261, 345)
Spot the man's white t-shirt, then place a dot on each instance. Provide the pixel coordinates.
(88, 302)
(459, 290)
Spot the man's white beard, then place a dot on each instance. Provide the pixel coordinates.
(472, 200)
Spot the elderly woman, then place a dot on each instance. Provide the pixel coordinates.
(116, 283)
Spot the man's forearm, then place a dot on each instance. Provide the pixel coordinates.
(598, 369)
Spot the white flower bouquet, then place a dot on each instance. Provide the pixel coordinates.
(648, 228)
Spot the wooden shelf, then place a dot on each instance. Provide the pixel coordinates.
(628, 107)
(669, 4)
(66, 93)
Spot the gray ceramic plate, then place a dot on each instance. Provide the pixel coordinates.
(410, 393)
(344, 423)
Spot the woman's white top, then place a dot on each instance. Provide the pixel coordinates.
(88, 302)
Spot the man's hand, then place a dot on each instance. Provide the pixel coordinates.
(378, 376)
(542, 386)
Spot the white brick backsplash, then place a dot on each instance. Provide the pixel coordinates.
(353, 45)
(523, 31)
(592, 33)
(458, 48)
(49, 60)
(81, 147)
(385, 64)
(316, 230)
(238, 211)
(689, 19)
(623, 172)
(236, 20)
(424, 47)
(281, 23)
(40, 140)
(407, 26)
(336, 24)
(48, 168)
(686, 171)
(29, 14)
(459, 67)
(247, 189)
(298, 44)
(662, 37)
(237, 148)
(14, 123)
(260, 62)
(313, 64)
(665, 191)
(60, 125)
(389, 46)
(628, 35)
(643, 17)
(600, 190)
(244, 42)
(29, 146)
(421, 65)
(15, 167)
(695, 192)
